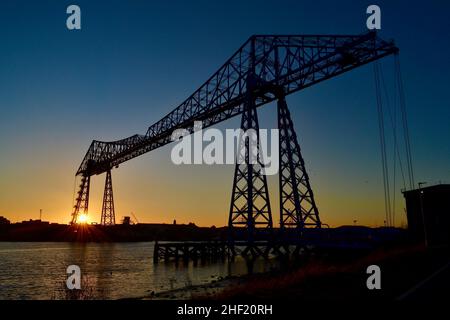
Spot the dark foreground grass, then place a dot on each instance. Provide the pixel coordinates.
(338, 278)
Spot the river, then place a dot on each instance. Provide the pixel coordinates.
(37, 270)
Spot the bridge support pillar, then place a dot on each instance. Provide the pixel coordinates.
(297, 206)
(108, 212)
(82, 201)
(250, 204)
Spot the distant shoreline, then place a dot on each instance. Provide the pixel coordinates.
(38, 231)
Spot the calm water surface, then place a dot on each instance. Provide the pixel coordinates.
(37, 270)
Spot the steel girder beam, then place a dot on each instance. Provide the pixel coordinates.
(285, 62)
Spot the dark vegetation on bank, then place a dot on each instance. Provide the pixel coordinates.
(408, 272)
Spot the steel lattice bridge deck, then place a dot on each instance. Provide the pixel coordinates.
(265, 68)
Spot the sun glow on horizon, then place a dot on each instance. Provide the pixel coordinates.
(82, 218)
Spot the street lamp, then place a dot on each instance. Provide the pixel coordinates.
(423, 215)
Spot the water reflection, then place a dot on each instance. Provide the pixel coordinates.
(114, 270)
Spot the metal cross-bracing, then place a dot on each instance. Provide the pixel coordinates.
(82, 201)
(250, 204)
(273, 65)
(297, 205)
(108, 213)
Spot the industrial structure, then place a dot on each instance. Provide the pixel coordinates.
(428, 211)
(265, 68)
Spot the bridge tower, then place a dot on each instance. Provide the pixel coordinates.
(82, 200)
(108, 212)
(250, 204)
(297, 205)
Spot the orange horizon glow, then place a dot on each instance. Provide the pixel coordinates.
(157, 191)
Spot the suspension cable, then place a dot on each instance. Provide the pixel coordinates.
(404, 121)
(392, 112)
(387, 202)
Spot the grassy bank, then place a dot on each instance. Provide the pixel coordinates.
(334, 278)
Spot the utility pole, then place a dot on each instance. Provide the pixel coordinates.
(40, 214)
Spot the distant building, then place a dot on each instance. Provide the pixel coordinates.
(126, 220)
(35, 222)
(428, 211)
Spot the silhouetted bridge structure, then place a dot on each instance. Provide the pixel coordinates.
(265, 68)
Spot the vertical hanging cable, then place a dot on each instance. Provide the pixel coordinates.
(387, 201)
(394, 131)
(392, 112)
(404, 122)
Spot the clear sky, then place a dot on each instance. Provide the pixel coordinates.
(134, 61)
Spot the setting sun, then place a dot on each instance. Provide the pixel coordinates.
(83, 218)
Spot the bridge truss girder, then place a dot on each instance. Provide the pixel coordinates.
(288, 62)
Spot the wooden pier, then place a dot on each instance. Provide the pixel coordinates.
(185, 251)
(284, 246)
(216, 250)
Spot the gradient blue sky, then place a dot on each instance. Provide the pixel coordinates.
(133, 61)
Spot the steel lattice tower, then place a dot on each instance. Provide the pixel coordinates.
(297, 205)
(250, 204)
(108, 213)
(82, 200)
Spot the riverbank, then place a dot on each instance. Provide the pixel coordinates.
(328, 278)
(209, 290)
